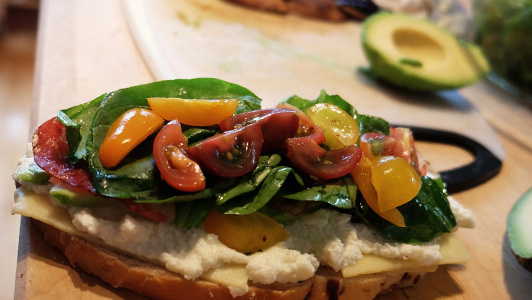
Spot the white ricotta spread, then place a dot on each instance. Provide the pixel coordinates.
(25, 163)
(464, 217)
(323, 237)
(188, 252)
(281, 264)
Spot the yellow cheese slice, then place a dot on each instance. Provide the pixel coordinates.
(452, 250)
(40, 207)
(232, 275)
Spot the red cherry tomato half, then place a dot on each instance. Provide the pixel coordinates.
(377, 144)
(231, 154)
(309, 157)
(306, 127)
(277, 125)
(176, 168)
(405, 148)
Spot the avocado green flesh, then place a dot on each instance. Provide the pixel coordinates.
(68, 197)
(417, 55)
(519, 224)
(32, 174)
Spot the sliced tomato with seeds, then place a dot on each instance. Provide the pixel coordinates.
(310, 158)
(230, 154)
(178, 170)
(306, 128)
(277, 125)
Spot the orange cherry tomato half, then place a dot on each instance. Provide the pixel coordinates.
(195, 112)
(179, 171)
(395, 181)
(362, 176)
(126, 133)
(245, 233)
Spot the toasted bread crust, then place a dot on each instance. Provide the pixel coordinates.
(159, 283)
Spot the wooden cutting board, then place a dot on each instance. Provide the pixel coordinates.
(85, 49)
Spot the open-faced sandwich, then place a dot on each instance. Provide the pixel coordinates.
(188, 189)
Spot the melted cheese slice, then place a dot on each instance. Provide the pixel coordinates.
(232, 275)
(38, 206)
(452, 250)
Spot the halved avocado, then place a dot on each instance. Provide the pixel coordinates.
(519, 225)
(415, 54)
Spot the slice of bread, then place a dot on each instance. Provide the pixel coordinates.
(154, 281)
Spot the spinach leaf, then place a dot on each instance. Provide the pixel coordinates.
(119, 183)
(340, 193)
(304, 104)
(141, 179)
(218, 188)
(365, 123)
(251, 202)
(252, 181)
(427, 216)
(167, 194)
(196, 134)
(368, 123)
(77, 120)
(191, 214)
(285, 210)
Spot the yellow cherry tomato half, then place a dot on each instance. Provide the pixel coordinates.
(126, 133)
(245, 233)
(395, 181)
(362, 176)
(339, 127)
(195, 112)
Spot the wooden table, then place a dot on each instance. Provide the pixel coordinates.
(84, 50)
